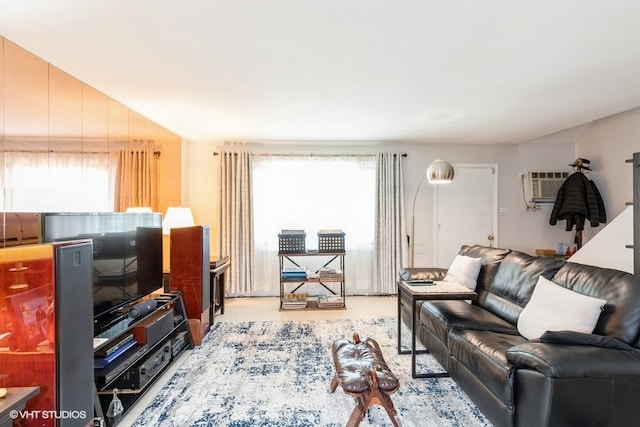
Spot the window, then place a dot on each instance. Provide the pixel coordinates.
(312, 193)
(57, 182)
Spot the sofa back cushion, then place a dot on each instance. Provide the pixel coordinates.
(514, 281)
(491, 258)
(621, 290)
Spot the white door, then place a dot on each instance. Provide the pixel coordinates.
(466, 211)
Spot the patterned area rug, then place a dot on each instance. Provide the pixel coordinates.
(278, 374)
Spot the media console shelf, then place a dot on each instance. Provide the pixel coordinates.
(294, 274)
(132, 353)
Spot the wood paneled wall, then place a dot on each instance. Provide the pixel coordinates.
(44, 108)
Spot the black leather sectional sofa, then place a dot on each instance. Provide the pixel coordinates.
(563, 379)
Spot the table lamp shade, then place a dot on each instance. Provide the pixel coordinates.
(177, 217)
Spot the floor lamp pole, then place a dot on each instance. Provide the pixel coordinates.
(438, 172)
(413, 218)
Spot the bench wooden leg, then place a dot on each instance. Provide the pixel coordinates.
(368, 399)
(391, 410)
(373, 396)
(334, 383)
(358, 412)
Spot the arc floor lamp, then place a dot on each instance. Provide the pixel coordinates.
(438, 172)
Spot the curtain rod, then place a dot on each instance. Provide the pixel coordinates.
(215, 153)
(157, 154)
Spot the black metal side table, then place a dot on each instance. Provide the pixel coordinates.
(423, 291)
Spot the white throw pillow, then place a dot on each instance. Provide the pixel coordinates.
(464, 270)
(555, 308)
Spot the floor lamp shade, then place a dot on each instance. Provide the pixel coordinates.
(440, 172)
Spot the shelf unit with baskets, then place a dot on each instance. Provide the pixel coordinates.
(295, 275)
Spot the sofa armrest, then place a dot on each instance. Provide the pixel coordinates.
(422, 274)
(569, 361)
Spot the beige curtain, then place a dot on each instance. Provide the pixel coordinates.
(391, 248)
(236, 220)
(136, 180)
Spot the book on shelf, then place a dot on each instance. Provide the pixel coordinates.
(294, 273)
(332, 297)
(330, 301)
(293, 301)
(294, 279)
(327, 273)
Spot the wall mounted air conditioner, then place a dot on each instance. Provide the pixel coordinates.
(542, 186)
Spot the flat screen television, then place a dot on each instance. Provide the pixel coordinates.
(127, 257)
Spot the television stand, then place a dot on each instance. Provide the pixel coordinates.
(133, 353)
(104, 326)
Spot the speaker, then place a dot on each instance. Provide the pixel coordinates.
(152, 329)
(190, 272)
(143, 308)
(73, 334)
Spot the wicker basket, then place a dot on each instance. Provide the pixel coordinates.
(330, 242)
(292, 241)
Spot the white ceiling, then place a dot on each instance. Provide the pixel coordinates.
(472, 71)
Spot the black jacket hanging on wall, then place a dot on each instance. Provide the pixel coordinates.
(578, 200)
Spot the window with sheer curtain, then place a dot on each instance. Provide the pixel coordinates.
(57, 182)
(312, 193)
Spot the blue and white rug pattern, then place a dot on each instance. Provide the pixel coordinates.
(277, 373)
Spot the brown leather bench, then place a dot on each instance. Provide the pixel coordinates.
(362, 373)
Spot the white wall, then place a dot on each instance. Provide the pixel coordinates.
(518, 228)
(608, 247)
(202, 194)
(607, 143)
